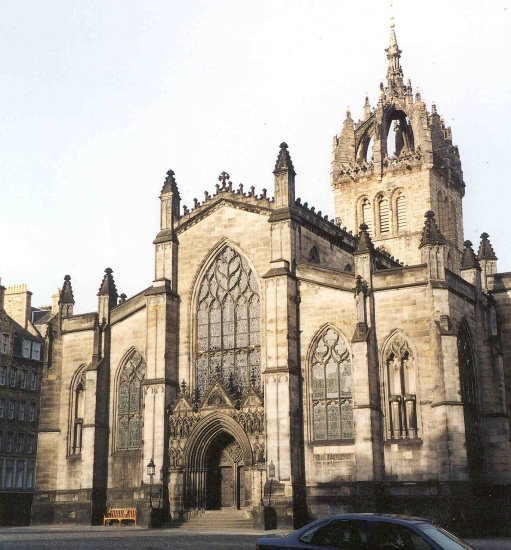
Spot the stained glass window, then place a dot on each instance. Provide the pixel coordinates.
(130, 403)
(228, 324)
(401, 395)
(332, 400)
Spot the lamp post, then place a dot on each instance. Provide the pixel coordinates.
(271, 475)
(151, 468)
(261, 466)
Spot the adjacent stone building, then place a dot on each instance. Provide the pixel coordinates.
(278, 351)
(21, 364)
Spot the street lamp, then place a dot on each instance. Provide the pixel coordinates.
(261, 466)
(271, 475)
(151, 468)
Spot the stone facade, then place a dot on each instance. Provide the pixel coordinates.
(282, 356)
(21, 361)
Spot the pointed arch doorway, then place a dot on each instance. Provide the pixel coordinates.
(218, 458)
(225, 479)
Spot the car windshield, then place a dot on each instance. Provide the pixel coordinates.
(446, 540)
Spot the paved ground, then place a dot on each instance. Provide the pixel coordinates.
(134, 538)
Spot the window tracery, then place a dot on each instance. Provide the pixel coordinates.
(130, 404)
(331, 381)
(228, 325)
(401, 389)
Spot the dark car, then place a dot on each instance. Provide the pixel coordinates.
(366, 532)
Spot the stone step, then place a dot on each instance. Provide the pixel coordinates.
(221, 519)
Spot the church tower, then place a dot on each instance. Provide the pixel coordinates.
(395, 164)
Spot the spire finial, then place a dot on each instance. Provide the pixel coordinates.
(394, 71)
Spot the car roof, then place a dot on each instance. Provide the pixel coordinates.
(391, 518)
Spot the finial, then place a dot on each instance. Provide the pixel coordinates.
(284, 161)
(469, 259)
(223, 177)
(67, 277)
(431, 234)
(283, 145)
(170, 185)
(433, 108)
(429, 215)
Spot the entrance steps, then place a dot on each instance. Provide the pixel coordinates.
(220, 520)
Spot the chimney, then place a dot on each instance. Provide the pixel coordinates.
(18, 304)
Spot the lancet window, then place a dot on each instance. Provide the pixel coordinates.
(400, 367)
(130, 403)
(228, 325)
(331, 381)
(468, 387)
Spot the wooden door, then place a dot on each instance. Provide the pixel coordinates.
(227, 489)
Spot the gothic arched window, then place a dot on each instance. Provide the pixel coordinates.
(468, 388)
(130, 403)
(314, 256)
(332, 398)
(228, 325)
(401, 397)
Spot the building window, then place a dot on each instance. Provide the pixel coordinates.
(12, 379)
(367, 216)
(31, 412)
(314, 256)
(33, 381)
(9, 442)
(332, 398)
(2, 406)
(3, 375)
(29, 480)
(9, 474)
(78, 412)
(11, 409)
(383, 205)
(21, 410)
(23, 379)
(30, 444)
(228, 326)
(26, 348)
(468, 387)
(36, 351)
(130, 403)
(401, 216)
(20, 442)
(5, 343)
(401, 396)
(20, 473)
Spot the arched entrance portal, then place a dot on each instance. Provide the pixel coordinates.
(225, 479)
(217, 465)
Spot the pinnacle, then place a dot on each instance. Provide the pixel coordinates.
(107, 287)
(431, 234)
(66, 294)
(486, 251)
(284, 161)
(469, 259)
(364, 244)
(170, 185)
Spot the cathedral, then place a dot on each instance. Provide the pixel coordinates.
(285, 359)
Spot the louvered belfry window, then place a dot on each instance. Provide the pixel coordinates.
(367, 217)
(332, 399)
(130, 404)
(384, 215)
(228, 325)
(402, 221)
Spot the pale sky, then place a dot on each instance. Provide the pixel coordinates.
(100, 98)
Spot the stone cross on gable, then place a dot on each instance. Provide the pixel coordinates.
(223, 177)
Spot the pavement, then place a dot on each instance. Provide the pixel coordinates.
(138, 538)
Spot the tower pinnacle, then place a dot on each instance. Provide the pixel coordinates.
(394, 70)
